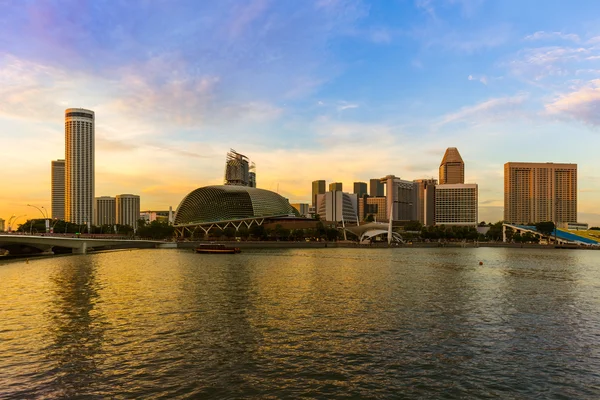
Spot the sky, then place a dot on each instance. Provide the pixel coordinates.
(341, 90)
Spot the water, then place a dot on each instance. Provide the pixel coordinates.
(334, 323)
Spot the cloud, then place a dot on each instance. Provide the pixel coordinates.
(542, 35)
(582, 104)
(346, 106)
(489, 110)
(483, 79)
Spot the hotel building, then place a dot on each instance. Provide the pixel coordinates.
(105, 210)
(540, 192)
(127, 209)
(456, 204)
(79, 165)
(58, 189)
(401, 198)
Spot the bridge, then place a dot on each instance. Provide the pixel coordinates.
(31, 244)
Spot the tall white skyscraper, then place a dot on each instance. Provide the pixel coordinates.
(79, 165)
(58, 189)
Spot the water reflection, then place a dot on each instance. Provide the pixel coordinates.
(76, 328)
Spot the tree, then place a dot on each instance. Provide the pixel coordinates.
(258, 232)
(545, 228)
(244, 232)
(229, 232)
(413, 226)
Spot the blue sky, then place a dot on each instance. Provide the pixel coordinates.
(316, 89)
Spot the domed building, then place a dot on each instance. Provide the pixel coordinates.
(229, 205)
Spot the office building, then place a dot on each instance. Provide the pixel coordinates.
(302, 208)
(376, 188)
(540, 192)
(105, 211)
(237, 170)
(318, 187)
(401, 198)
(335, 187)
(360, 189)
(456, 204)
(58, 189)
(452, 167)
(252, 176)
(79, 166)
(2, 228)
(375, 206)
(426, 201)
(337, 206)
(127, 209)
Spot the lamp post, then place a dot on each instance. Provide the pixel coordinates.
(44, 215)
(14, 221)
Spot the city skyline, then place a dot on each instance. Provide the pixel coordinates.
(362, 91)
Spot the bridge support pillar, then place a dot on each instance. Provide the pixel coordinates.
(81, 249)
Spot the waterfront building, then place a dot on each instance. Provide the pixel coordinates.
(376, 188)
(426, 201)
(452, 167)
(127, 209)
(539, 192)
(58, 189)
(456, 204)
(318, 187)
(335, 187)
(79, 166)
(105, 211)
(337, 206)
(302, 208)
(360, 189)
(401, 198)
(375, 206)
(223, 206)
(237, 170)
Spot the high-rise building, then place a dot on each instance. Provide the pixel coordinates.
(375, 206)
(58, 189)
(1, 225)
(105, 210)
(302, 208)
(337, 206)
(360, 189)
(426, 201)
(401, 198)
(237, 169)
(318, 187)
(79, 165)
(376, 188)
(252, 175)
(127, 209)
(335, 187)
(540, 192)
(456, 204)
(452, 167)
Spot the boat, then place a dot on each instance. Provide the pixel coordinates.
(216, 249)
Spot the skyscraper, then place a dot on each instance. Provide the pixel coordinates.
(452, 167)
(79, 165)
(127, 209)
(456, 204)
(401, 198)
(335, 187)
(426, 201)
(58, 189)
(318, 187)
(105, 211)
(376, 188)
(540, 192)
(360, 188)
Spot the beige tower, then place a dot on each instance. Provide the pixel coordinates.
(105, 210)
(128, 209)
(452, 168)
(539, 192)
(79, 165)
(58, 189)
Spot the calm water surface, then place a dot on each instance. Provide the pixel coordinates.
(322, 323)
